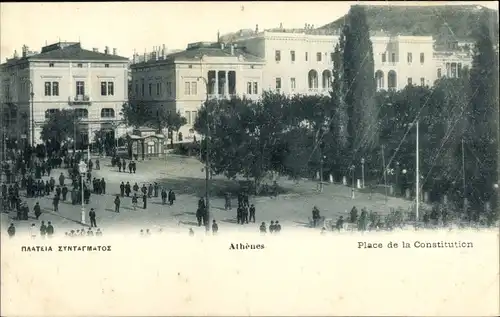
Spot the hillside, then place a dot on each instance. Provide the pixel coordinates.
(423, 20)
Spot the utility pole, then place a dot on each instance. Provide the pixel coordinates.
(320, 167)
(463, 177)
(417, 176)
(32, 94)
(385, 172)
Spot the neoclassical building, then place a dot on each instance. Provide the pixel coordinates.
(182, 81)
(63, 76)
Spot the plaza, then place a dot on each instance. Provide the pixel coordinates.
(186, 177)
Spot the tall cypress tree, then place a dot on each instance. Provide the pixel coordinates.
(359, 83)
(483, 132)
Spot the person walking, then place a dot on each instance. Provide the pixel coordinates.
(38, 210)
(171, 197)
(163, 196)
(252, 213)
(55, 202)
(43, 229)
(92, 215)
(144, 201)
(122, 189)
(215, 227)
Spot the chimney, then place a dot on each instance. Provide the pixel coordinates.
(15, 54)
(25, 50)
(95, 49)
(114, 51)
(145, 56)
(256, 28)
(218, 36)
(106, 50)
(281, 25)
(221, 46)
(163, 51)
(232, 49)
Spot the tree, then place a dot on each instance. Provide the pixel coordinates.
(484, 118)
(135, 114)
(359, 83)
(246, 137)
(60, 128)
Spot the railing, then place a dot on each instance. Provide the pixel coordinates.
(79, 99)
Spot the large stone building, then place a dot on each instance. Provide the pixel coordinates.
(63, 76)
(179, 81)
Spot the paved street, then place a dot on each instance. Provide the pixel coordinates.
(186, 177)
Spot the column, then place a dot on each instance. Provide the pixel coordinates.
(448, 70)
(226, 84)
(216, 85)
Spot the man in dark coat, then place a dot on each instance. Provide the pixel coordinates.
(122, 189)
(262, 228)
(199, 216)
(119, 163)
(103, 186)
(127, 189)
(50, 230)
(92, 218)
(163, 196)
(245, 215)
(58, 191)
(239, 215)
(61, 179)
(55, 202)
(43, 229)
(144, 201)
(252, 213)
(130, 165)
(171, 197)
(117, 203)
(144, 189)
(37, 210)
(135, 188)
(64, 192)
(124, 165)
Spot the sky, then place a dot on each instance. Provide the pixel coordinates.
(130, 26)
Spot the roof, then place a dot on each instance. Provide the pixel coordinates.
(212, 50)
(71, 51)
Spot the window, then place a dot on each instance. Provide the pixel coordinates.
(422, 81)
(459, 69)
(188, 117)
(409, 58)
(107, 113)
(393, 57)
(111, 88)
(332, 57)
(136, 89)
(51, 64)
(384, 57)
(292, 56)
(80, 88)
(158, 89)
(249, 88)
(318, 57)
(255, 88)
(48, 91)
(292, 83)
(410, 81)
(277, 56)
(142, 87)
(79, 65)
(50, 112)
(307, 56)
(439, 73)
(150, 89)
(187, 88)
(106, 65)
(104, 88)
(82, 113)
(193, 116)
(278, 83)
(169, 88)
(194, 88)
(55, 88)
(422, 58)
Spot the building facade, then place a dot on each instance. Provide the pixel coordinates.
(64, 76)
(182, 81)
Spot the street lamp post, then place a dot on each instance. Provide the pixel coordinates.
(32, 95)
(363, 172)
(207, 160)
(83, 169)
(352, 188)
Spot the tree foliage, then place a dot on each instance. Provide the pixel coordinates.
(157, 117)
(60, 128)
(359, 83)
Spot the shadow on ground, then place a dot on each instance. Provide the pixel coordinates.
(218, 186)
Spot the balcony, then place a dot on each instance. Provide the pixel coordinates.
(79, 100)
